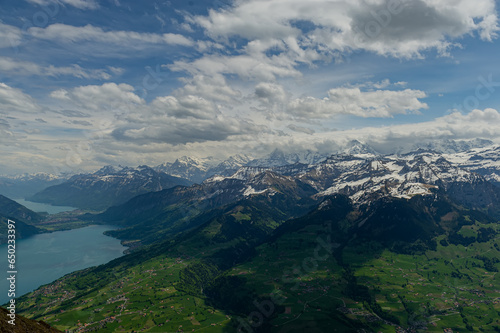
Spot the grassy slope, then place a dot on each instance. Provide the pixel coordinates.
(359, 285)
(25, 219)
(146, 282)
(365, 285)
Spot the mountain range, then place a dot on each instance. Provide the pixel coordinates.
(26, 185)
(356, 241)
(106, 187)
(115, 185)
(364, 178)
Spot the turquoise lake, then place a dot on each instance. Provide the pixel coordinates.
(41, 207)
(44, 258)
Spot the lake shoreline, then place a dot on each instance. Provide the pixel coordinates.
(44, 258)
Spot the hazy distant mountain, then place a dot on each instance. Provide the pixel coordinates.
(107, 187)
(229, 166)
(23, 186)
(354, 147)
(190, 168)
(448, 146)
(197, 170)
(279, 158)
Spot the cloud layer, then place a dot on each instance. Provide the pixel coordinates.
(274, 37)
(251, 76)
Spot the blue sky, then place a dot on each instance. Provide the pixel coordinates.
(84, 83)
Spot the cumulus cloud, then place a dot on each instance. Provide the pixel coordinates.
(175, 131)
(213, 88)
(184, 107)
(14, 100)
(271, 94)
(354, 101)
(181, 120)
(106, 97)
(476, 124)
(171, 120)
(387, 139)
(405, 27)
(363, 100)
(280, 35)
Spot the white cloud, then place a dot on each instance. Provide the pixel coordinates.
(353, 101)
(30, 68)
(80, 4)
(129, 39)
(246, 66)
(184, 107)
(401, 28)
(301, 129)
(476, 124)
(181, 131)
(273, 38)
(170, 120)
(348, 100)
(10, 36)
(271, 94)
(14, 100)
(213, 88)
(387, 139)
(112, 97)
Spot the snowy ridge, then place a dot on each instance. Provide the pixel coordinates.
(484, 161)
(361, 177)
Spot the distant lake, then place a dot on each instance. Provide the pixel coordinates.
(41, 207)
(44, 258)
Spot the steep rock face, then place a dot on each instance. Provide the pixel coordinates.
(107, 187)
